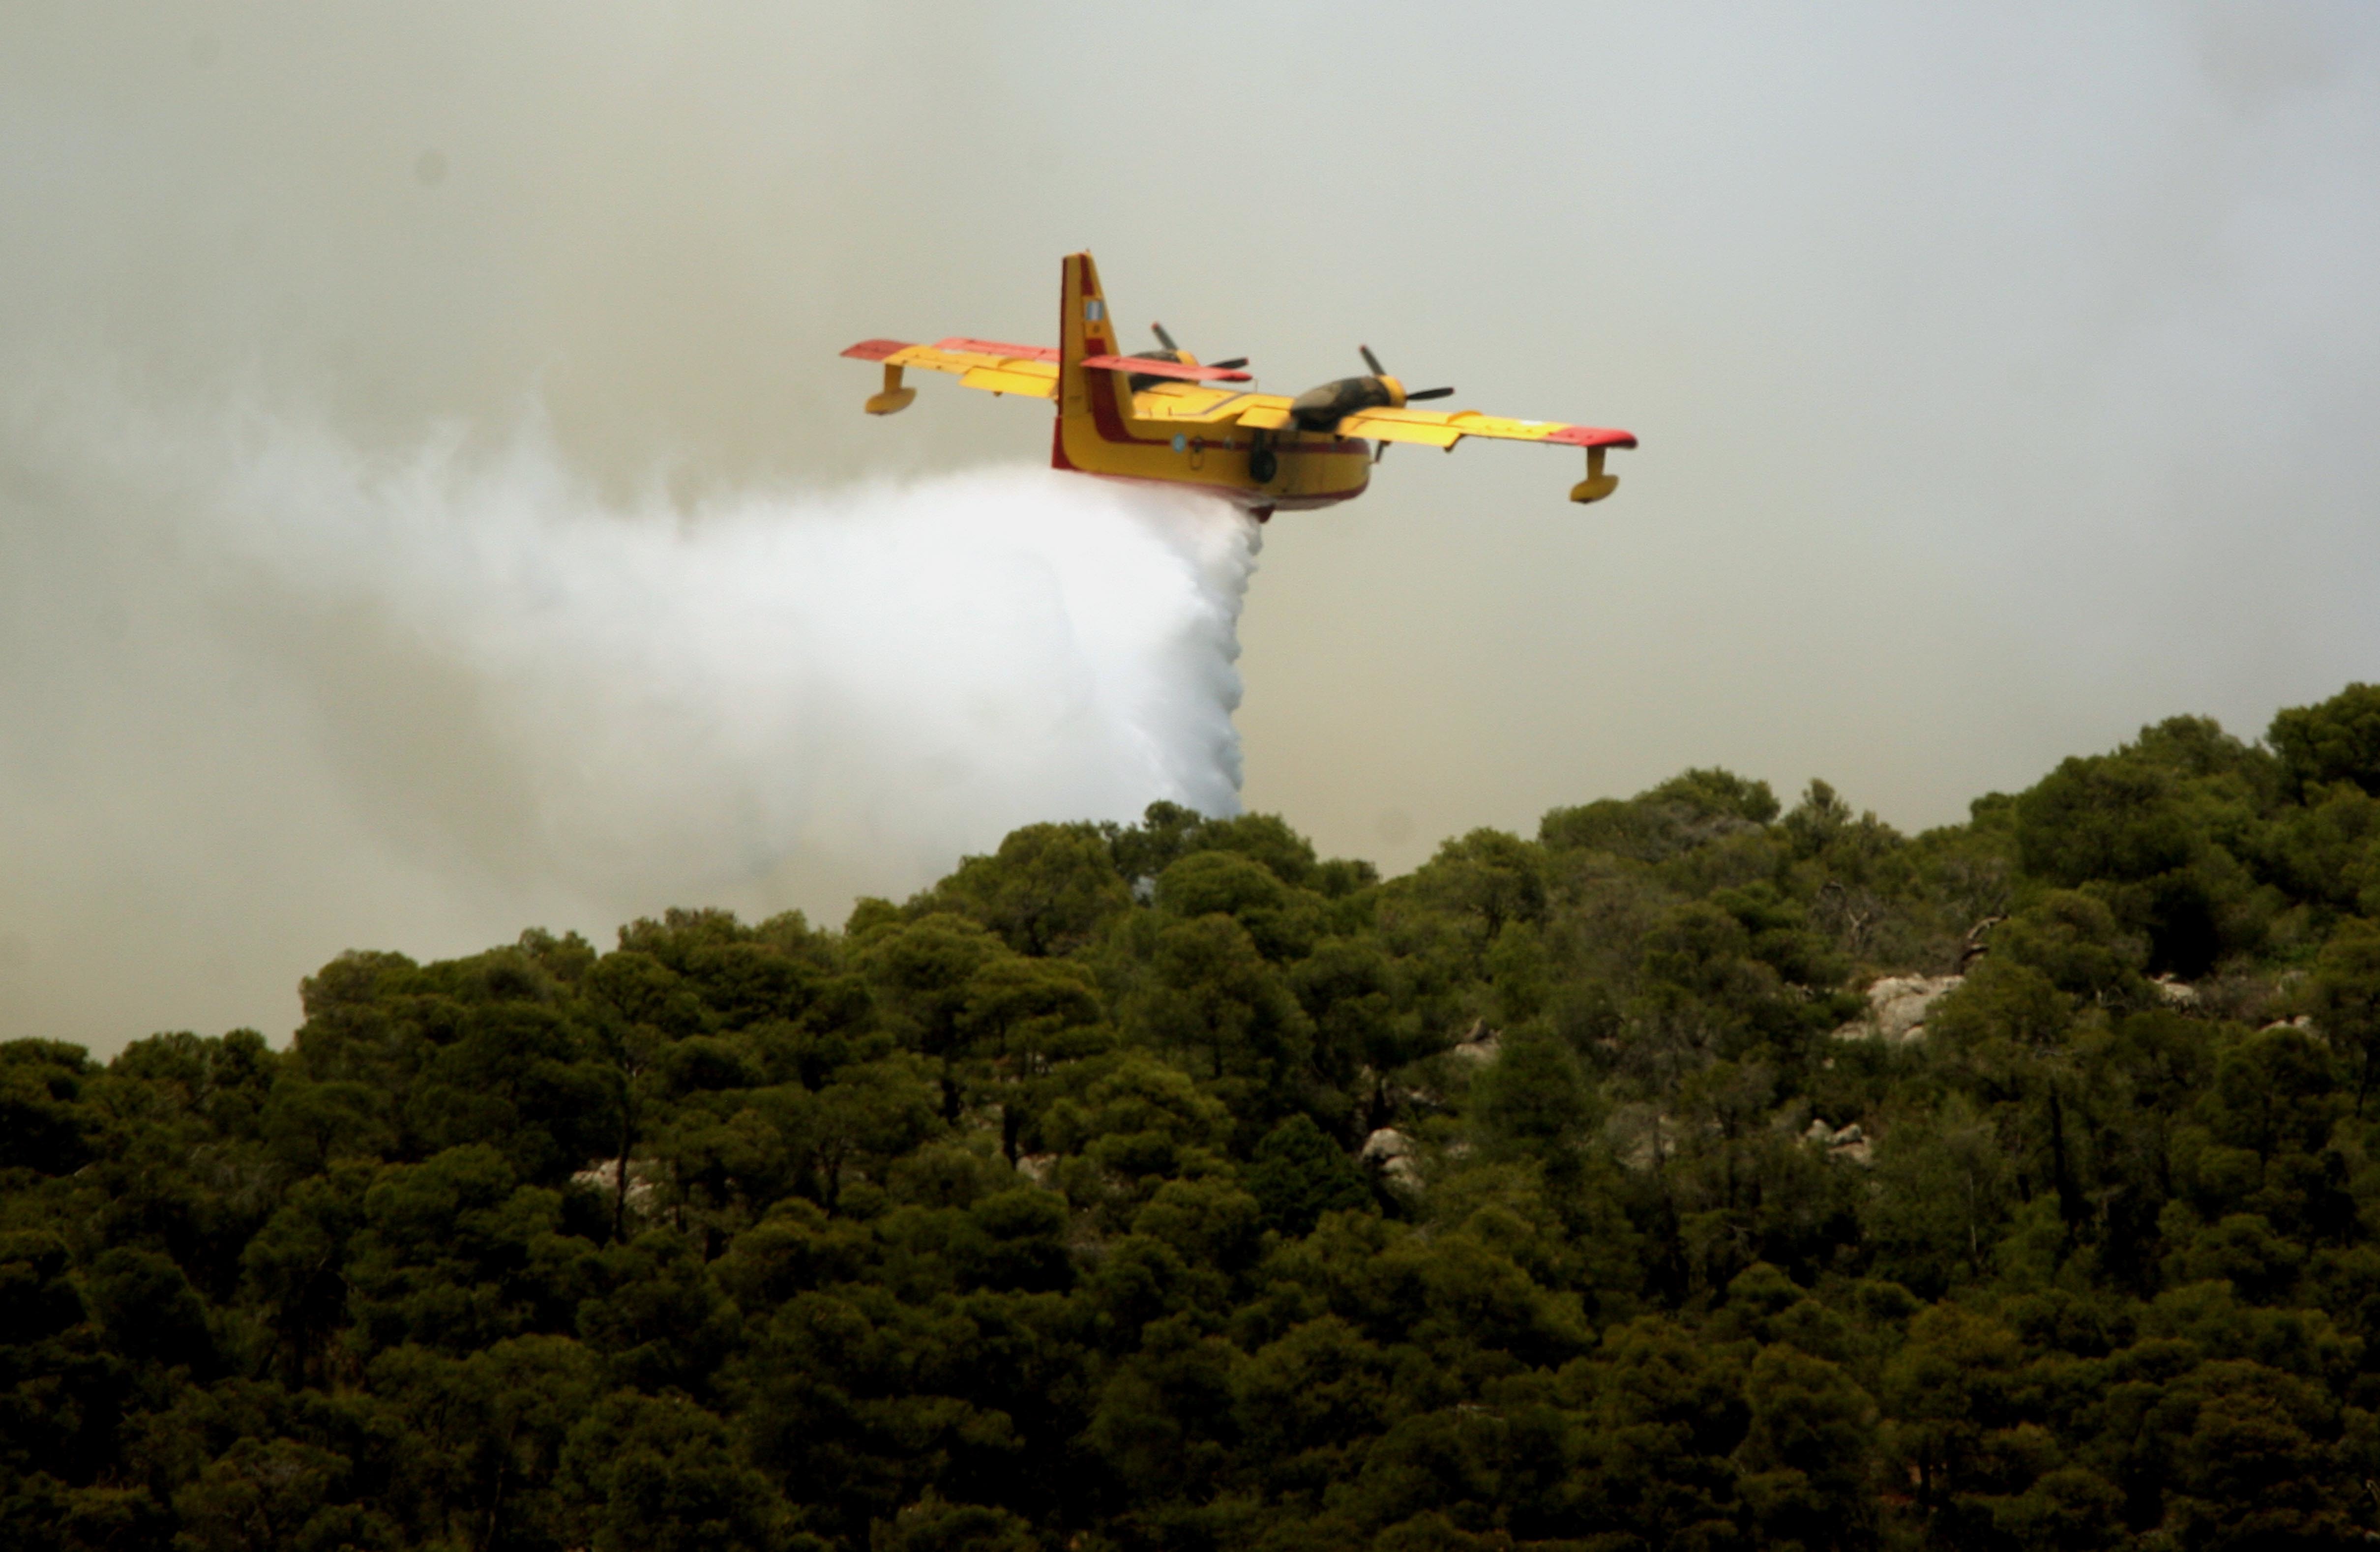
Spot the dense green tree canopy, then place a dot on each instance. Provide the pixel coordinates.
(1166, 1186)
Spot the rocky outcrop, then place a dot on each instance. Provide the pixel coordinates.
(1479, 1043)
(632, 1184)
(1392, 1153)
(1897, 1007)
(1640, 1136)
(1849, 1143)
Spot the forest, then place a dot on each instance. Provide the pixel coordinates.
(1699, 1172)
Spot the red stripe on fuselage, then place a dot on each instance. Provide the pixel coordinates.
(1109, 420)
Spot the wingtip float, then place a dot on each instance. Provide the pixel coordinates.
(1162, 416)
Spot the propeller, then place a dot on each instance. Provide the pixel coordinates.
(1378, 372)
(1411, 398)
(1321, 409)
(1234, 364)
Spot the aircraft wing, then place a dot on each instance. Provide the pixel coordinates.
(1193, 404)
(991, 365)
(1435, 429)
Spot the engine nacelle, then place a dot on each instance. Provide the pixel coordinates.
(1179, 358)
(1320, 409)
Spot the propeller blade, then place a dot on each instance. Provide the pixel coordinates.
(1373, 361)
(1430, 393)
(1162, 337)
(1234, 364)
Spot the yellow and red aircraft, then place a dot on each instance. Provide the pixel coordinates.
(1159, 415)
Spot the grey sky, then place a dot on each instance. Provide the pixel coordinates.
(2008, 377)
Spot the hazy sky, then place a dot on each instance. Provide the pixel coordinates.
(2008, 377)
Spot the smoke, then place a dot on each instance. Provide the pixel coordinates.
(2004, 376)
(312, 637)
(421, 699)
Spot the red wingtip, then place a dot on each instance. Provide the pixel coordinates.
(1593, 436)
(875, 349)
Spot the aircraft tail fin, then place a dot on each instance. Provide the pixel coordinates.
(1085, 329)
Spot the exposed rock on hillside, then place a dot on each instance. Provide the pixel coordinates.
(1640, 1136)
(1848, 1143)
(1392, 1151)
(632, 1184)
(1897, 1006)
(1479, 1043)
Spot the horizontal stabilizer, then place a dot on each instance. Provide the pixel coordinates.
(1141, 366)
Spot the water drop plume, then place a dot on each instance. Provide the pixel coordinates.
(420, 700)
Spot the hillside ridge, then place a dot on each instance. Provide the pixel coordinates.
(1699, 1172)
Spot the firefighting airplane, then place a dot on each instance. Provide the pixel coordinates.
(1158, 414)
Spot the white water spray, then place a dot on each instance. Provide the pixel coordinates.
(420, 703)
